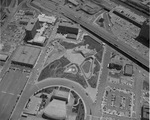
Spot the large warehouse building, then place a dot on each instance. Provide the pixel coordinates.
(65, 30)
(26, 56)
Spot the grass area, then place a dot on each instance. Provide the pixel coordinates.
(49, 70)
(86, 66)
(93, 44)
(100, 22)
(97, 66)
(77, 78)
(56, 69)
(93, 80)
(99, 55)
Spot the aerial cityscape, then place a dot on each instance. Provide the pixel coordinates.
(74, 59)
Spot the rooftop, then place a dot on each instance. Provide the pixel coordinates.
(128, 70)
(31, 24)
(74, 2)
(62, 94)
(48, 19)
(39, 39)
(56, 109)
(33, 105)
(3, 57)
(26, 55)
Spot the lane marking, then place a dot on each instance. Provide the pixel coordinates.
(3, 91)
(7, 93)
(11, 93)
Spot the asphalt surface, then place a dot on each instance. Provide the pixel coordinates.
(102, 83)
(105, 35)
(10, 88)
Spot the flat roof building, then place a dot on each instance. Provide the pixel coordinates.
(56, 109)
(3, 57)
(128, 70)
(74, 2)
(61, 95)
(29, 12)
(23, 21)
(26, 56)
(39, 39)
(71, 36)
(33, 105)
(145, 112)
(47, 19)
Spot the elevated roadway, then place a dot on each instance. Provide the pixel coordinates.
(107, 37)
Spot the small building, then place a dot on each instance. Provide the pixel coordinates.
(90, 8)
(33, 106)
(3, 57)
(39, 40)
(145, 112)
(146, 85)
(71, 36)
(47, 19)
(29, 12)
(74, 2)
(61, 95)
(26, 56)
(31, 28)
(114, 66)
(56, 109)
(128, 70)
(2, 15)
(23, 21)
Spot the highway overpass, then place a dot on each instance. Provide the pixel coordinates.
(109, 38)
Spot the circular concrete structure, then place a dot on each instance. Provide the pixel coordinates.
(33, 88)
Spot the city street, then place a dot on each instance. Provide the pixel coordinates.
(11, 87)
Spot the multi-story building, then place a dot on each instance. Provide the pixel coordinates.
(31, 28)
